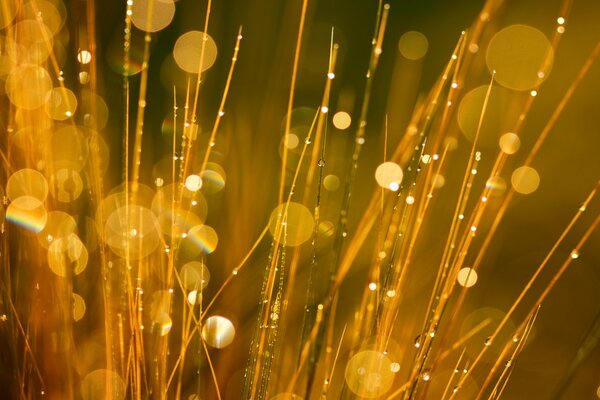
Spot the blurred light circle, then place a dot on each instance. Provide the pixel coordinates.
(203, 237)
(331, 183)
(191, 206)
(213, 178)
(27, 85)
(152, 15)
(188, 49)
(509, 143)
(389, 175)
(67, 184)
(78, 307)
(369, 374)
(193, 183)
(96, 110)
(467, 277)
(31, 43)
(451, 143)
(496, 185)
(84, 57)
(525, 180)
(103, 384)
(51, 13)
(479, 325)
(116, 199)
(500, 114)
(61, 103)
(67, 256)
(27, 212)
(59, 225)
(342, 120)
(132, 232)
(194, 297)
(438, 181)
(27, 182)
(218, 332)
(115, 54)
(177, 222)
(296, 226)
(194, 275)
(84, 77)
(413, 45)
(163, 320)
(521, 56)
(326, 228)
(291, 141)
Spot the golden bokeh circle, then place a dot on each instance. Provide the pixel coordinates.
(188, 49)
(218, 331)
(500, 114)
(152, 15)
(296, 226)
(96, 110)
(326, 228)
(84, 57)
(27, 212)
(467, 277)
(67, 256)
(116, 199)
(202, 239)
(31, 44)
(27, 85)
(213, 178)
(194, 275)
(59, 225)
(51, 13)
(167, 194)
(479, 324)
(331, 183)
(291, 141)
(525, 180)
(509, 143)
(389, 175)
(132, 232)
(103, 384)
(413, 45)
(438, 181)
(164, 322)
(193, 183)
(78, 307)
(369, 374)
(177, 222)
(67, 184)
(521, 56)
(342, 120)
(61, 103)
(27, 182)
